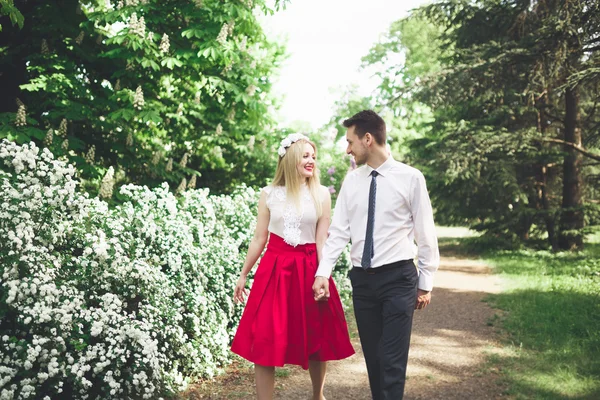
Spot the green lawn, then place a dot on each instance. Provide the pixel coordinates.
(549, 314)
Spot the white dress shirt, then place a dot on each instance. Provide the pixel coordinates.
(403, 215)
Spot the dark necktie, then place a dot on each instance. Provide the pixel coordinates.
(369, 251)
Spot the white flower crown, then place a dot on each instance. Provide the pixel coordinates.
(287, 142)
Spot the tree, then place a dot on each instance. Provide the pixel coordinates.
(160, 90)
(505, 82)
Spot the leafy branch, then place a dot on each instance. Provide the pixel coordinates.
(7, 7)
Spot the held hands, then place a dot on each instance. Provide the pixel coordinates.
(240, 293)
(321, 288)
(423, 299)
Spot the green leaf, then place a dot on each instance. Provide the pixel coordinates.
(150, 116)
(193, 32)
(171, 62)
(124, 113)
(150, 63)
(8, 8)
(34, 133)
(204, 53)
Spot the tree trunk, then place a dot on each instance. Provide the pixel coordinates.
(541, 176)
(571, 221)
(549, 216)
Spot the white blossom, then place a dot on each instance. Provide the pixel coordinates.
(164, 43)
(141, 28)
(21, 119)
(184, 160)
(133, 22)
(138, 98)
(80, 37)
(251, 90)
(137, 26)
(182, 185)
(222, 36)
(49, 137)
(243, 43)
(169, 166)
(217, 152)
(227, 68)
(45, 48)
(62, 129)
(107, 184)
(91, 155)
(192, 182)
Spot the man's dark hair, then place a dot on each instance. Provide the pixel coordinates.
(367, 121)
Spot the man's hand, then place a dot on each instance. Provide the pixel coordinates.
(321, 288)
(423, 299)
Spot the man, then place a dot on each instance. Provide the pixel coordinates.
(383, 207)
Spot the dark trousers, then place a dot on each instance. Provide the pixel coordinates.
(384, 303)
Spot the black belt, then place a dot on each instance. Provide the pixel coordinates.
(384, 268)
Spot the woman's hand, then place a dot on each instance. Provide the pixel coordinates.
(240, 293)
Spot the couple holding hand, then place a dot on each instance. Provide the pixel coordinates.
(293, 313)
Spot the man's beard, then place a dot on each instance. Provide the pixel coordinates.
(362, 160)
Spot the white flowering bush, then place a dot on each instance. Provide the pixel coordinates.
(340, 276)
(123, 303)
(126, 302)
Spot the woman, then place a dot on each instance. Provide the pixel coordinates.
(282, 323)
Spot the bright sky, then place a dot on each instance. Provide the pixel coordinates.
(325, 42)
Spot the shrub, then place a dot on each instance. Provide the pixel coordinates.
(123, 302)
(99, 302)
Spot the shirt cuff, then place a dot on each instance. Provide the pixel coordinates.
(425, 280)
(324, 270)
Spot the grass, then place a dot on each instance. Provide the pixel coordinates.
(550, 318)
(282, 372)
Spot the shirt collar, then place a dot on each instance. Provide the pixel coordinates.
(383, 168)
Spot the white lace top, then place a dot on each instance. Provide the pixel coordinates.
(293, 225)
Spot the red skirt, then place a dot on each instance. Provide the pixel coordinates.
(282, 323)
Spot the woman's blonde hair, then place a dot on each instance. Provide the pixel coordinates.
(287, 175)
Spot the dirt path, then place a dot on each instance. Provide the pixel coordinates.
(447, 358)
